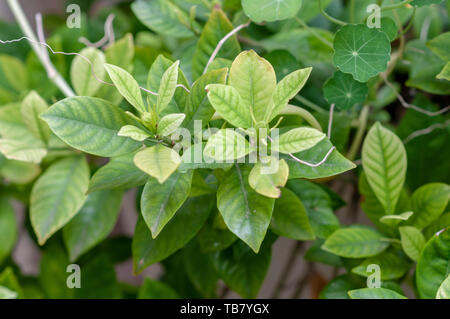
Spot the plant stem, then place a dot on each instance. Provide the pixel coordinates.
(326, 15)
(363, 117)
(52, 73)
(309, 104)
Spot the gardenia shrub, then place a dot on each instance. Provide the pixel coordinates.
(236, 123)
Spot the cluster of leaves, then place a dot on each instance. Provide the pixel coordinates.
(208, 209)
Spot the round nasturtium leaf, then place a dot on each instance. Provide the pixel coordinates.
(361, 51)
(389, 27)
(271, 10)
(343, 91)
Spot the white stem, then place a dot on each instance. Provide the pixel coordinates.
(52, 73)
(222, 42)
(330, 121)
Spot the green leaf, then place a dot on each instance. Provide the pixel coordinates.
(127, 86)
(243, 270)
(428, 203)
(286, 90)
(297, 140)
(32, 107)
(444, 289)
(8, 228)
(177, 233)
(217, 27)
(254, 79)
(433, 265)
(412, 241)
(389, 27)
(392, 264)
(214, 237)
(93, 222)
(167, 87)
(13, 78)
(271, 10)
(163, 17)
(153, 289)
(267, 178)
(338, 288)
(154, 79)
(384, 163)
(17, 142)
(316, 254)
(226, 145)
(227, 101)
(355, 242)
(193, 158)
(169, 124)
(438, 225)
(133, 132)
(335, 164)
(90, 125)
(361, 51)
(9, 280)
(318, 205)
(120, 173)
(198, 106)
(445, 73)
(158, 161)
(18, 172)
(374, 293)
(394, 220)
(246, 213)
(439, 46)
(160, 202)
(290, 218)
(58, 195)
(85, 76)
(343, 91)
(6, 293)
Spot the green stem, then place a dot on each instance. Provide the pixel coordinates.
(326, 15)
(314, 33)
(363, 117)
(297, 110)
(396, 5)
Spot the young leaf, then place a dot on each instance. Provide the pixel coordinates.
(169, 124)
(246, 213)
(6, 293)
(374, 293)
(119, 173)
(267, 179)
(178, 232)
(133, 132)
(343, 91)
(444, 290)
(254, 79)
(270, 10)
(226, 145)
(384, 162)
(57, 196)
(290, 218)
(158, 161)
(160, 202)
(93, 222)
(91, 125)
(127, 86)
(243, 270)
(167, 87)
(361, 51)
(85, 76)
(394, 220)
(432, 266)
(8, 228)
(217, 27)
(355, 242)
(412, 241)
(428, 203)
(227, 101)
(286, 90)
(33, 106)
(198, 106)
(297, 140)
